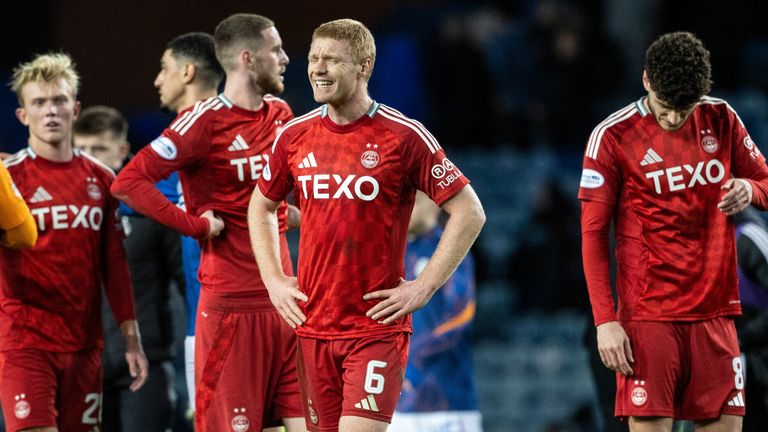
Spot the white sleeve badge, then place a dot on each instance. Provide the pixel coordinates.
(164, 147)
(591, 179)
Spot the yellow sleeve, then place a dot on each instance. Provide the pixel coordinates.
(16, 221)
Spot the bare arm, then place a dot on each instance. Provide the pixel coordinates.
(465, 220)
(265, 242)
(134, 354)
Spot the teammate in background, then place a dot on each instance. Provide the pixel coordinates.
(154, 259)
(17, 227)
(439, 389)
(669, 170)
(189, 72)
(245, 372)
(50, 303)
(356, 165)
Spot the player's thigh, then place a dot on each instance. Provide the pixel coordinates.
(716, 385)
(295, 424)
(373, 375)
(650, 424)
(658, 368)
(361, 424)
(441, 421)
(28, 387)
(80, 386)
(150, 408)
(726, 423)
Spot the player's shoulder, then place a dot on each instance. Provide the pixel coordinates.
(198, 114)
(408, 130)
(715, 105)
(614, 126)
(96, 166)
(276, 102)
(18, 159)
(300, 123)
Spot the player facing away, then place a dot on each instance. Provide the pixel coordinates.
(245, 372)
(17, 227)
(356, 165)
(669, 171)
(189, 72)
(50, 301)
(439, 389)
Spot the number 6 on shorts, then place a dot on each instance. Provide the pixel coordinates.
(374, 382)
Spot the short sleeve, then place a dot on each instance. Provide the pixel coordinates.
(429, 168)
(599, 175)
(276, 181)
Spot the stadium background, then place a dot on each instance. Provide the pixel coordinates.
(510, 88)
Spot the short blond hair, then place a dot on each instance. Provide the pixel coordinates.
(48, 67)
(356, 33)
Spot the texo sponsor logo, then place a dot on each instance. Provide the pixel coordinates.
(68, 216)
(252, 166)
(703, 174)
(333, 186)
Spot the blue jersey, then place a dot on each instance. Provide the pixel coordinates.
(439, 376)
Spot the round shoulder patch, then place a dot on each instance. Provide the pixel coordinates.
(591, 179)
(164, 147)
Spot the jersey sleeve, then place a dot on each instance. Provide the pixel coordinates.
(748, 161)
(13, 210)
(600, 175)
(179, 146)
(428, 167)
(115, 272)
(595, 228)
(276, 181)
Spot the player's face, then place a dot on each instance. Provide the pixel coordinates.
(269, 62)
(333, 74)
(106, 147)
(48, 110)
(169, 82)
(668, 118)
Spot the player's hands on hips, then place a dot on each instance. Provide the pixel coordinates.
(737, 198)
(137, 363)
(283, 293)
(399, 301)
(215, 224)
(614, 347)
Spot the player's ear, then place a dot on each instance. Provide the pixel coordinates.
(646, 81)
(21, 114)
(76, 110)
(190, 71)
(365, 68)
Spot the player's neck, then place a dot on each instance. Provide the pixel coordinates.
(194, 94)
(242, 93)
(350, 110)
(52, 151)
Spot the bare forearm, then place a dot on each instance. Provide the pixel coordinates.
(465, 221)
(263, 231)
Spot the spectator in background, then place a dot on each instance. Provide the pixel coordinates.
(154, 259)
(189, 72)
(439, 389)
(752, 257)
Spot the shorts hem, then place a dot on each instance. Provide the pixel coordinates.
(626, 415)
(371, 415)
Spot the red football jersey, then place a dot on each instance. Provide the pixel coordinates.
(51, 294)
(675, 248)
(219, 150)
(356, 185)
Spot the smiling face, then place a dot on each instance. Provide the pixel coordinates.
(333, 74)
(48, 109)
(269, 62)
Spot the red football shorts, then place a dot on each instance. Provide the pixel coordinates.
(689, 371)
(245, 366)
(359, 377)
(41, 388)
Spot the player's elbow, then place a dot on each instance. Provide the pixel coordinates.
(118, 190)
(475, 216)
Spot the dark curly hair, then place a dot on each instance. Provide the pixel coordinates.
(678, 69)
